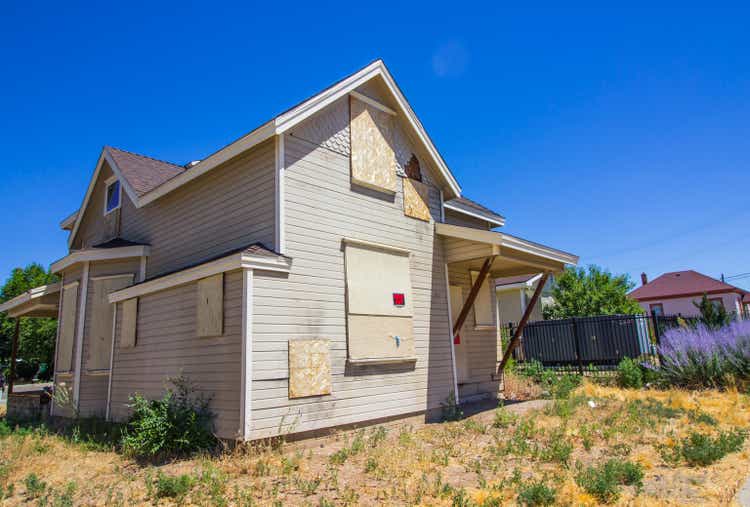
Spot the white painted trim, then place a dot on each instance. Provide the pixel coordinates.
(280, 230)
(505, 241)
(229, 263)
(99, 254)
(372, 102)
(478, 215)
(142, 269)
(109, 277)
(520, 285)
(450, 334)
(523, 301)
(29, 295)
(247, 355)
(383, 360)
(111, 181)
(442, 207)
(68, 222)
(111, 363)
(380, 246)
(57, 339)
(80, 325)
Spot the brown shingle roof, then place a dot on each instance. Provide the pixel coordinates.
(681, 284)
(143, 173)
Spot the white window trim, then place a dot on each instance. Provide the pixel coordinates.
(111, 181)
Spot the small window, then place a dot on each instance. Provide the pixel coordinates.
(113, 197)
(657, 310)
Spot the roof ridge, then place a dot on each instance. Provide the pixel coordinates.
(145, 156)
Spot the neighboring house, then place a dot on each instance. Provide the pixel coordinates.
(746, 304)
(303, 277)
(677, 293)
(513, 296)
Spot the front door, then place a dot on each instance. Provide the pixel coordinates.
(459, 342)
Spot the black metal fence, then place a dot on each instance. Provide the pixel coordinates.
(599, 342)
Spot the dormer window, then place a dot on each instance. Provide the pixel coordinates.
(112, 196)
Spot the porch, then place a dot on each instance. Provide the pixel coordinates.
(473, 259)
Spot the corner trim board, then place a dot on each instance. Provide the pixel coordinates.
(280, 235)
(247, 354)
(80, 325)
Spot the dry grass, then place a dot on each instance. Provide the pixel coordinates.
(472, 461)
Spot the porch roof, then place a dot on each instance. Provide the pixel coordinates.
(37, 302)
(513, 255)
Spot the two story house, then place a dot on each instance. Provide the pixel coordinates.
(306, 276)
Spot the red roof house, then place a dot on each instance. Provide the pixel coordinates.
(674, 293)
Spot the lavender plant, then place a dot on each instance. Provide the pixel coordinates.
(705, 357)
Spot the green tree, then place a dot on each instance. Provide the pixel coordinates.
(36, 342)
(586, 292)
(712, 316)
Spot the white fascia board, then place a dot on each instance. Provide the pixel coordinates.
(104, 156)
(520, 285)
(69, 221)
(29, 295)
(478, 215)
(257, 136)
(229, 263)
(529, 247)
(99, 254)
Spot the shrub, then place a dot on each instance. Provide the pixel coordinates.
(536, 493)
(604, 481)
(629, 374)
(451, 411)
(167, 486)
(177, 424)
(699, 449)
(704, 357)
(34, 486)
(503, 418)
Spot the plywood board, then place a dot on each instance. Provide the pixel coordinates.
(416, 200)
(129, 323)
(372, 157)
(372, 277)
(67, 328)
(210, 304)
(380, 337)
(309, 368)
(102, 314)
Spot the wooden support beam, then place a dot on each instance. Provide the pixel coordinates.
(13, 354)
(516, 340)
(473, 294)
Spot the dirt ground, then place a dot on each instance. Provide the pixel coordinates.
(483, 460)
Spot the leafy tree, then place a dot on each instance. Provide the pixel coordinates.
(36, 343)
(712, 316)
(587, 292)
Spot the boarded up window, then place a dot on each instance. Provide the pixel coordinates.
(483, 315)
(309, 368)
(129, 323)
(379, 303)
(67, 328)
(102, 320)
(416, 200)
(373, 159)
(211, 305)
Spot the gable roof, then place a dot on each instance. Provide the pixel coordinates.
(143, 187)
(143, 173)
(474, 209)
(681, 284)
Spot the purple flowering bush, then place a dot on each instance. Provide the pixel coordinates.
(704, 357)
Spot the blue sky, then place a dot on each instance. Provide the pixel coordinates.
(619, 135)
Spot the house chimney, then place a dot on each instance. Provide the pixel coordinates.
(644, 278)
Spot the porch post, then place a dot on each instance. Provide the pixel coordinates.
(473, 295)
(13, 354)
(522, 324)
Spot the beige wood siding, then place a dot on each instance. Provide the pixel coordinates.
(168, 346)
(95, 227)
(231, 207)
(322, 208)
(93, 391)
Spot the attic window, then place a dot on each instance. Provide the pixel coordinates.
(412, 168)
(112, 200)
